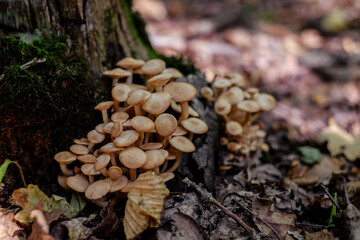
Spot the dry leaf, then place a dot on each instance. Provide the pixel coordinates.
(353, 188)
(9, 230)
(189, 226)
(323, 170)
(281, 222)
(336, 138)
(145, 203)
(352, 151)
(322, 235)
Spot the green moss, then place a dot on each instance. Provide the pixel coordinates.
(109, 18)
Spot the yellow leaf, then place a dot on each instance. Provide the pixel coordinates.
(352, 151)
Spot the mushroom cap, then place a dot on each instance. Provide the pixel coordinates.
(130, 63)
(248, 106)
(116, 130)
(182, 144)
(132, 157)
(128, 187)
(234, 128)
(109, 148)
(79, 182)
(221, 83)
(180, 131)
(132, 86)
(155, 158)
(177, 108)
(174, 72)
(82, 141)
(207, 92)
(222, 106)
(138, 97)
(117, 184)
(117, 73)
(236, 79)
(126, 138)
(195, 125)
(119, 117)
(104, 105)
(180, 91)
(151, 146)
(102, 161)
(159, 80)
(252, 91)
(89, 169)
(165, 124)
(65, 157)
(87, 158)
(97, 190)
(100, 127)
(115, 172)
(79, 149)
(165, 152)
(266, 101)
(153, 67)
(108, 126)
(62, 181)
(157, 103)
(95, 136)
(120, 92)
(166, 176)
(234, 95)
(142, 124)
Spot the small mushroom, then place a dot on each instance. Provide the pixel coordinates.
(130, 64)
(89, 170)
(194, 125)
(117, 184)
(137, 98)
(103, 107)
(155, 158)
(79, 149)
(116, 74)
(157, 103)
(223, 108)
(64, 158)
(234, 128)
(87, 158)
(97, 190)
(159, 81)
(126, 138)
(101, 162)
(115, 172)
(153, 67)
(79, 182)
(165, 125)
(174, 72)
(132, 158)
(120, 117)
(181, 144)
(120, 94)
(95, 137)
(142, 124)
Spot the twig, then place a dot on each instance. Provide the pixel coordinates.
(21, 172)
(208, 197)
(28, 65)
(311, 225)
(346, 191)
(331, 198)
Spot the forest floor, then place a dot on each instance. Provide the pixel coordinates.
(307, 55)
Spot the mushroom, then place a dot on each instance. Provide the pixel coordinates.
(62, 181)
(64, 158)
(181, 144)
(120, 94)
(119, 117)
(194, 125)
(79, 149)
(248, 106)
(117, 184)
(153, 67)
(137, 98)
(142, 124)
(157, 103)
(116, 130)
(103, 107)
(126, 138)
(111, 149)
(165, 125)
(181, 92)
(115, 172)
(234, 128)
(79, 182)
(132, 158)
(116, 74)
(101, 162)
(87, 158)
(234, 95)
(174, 72)
(82, 141)
(221, 84)
(100, 127)
(89, 170)
(97, 190)
(155, 158)
(223, 108)
(130, 64)
(207, 93)
(95, 137)
(151, 146)
(159, 81)
(177, 108)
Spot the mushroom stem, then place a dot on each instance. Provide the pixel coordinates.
(140, 140)
(164, 166)
(247, 118)
(255, 116)
(165, 141)
(191, 136)
(176, 163)
(113, 159)
(104, 172)
(65, 170)
(132, 174)
(116, 106)
(147, 136)
(129, 78)
(225, 116)
(114, 81)
(91, 179)
(105, 116)
(138, 111)
(184, 112)
(157, 170)
(91, 146)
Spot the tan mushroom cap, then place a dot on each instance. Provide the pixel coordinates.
(104, 105)
(174, 72)
(97, 190)
(120, 117)
(153, 67)
(130, 63)
(237, 79)
(166, 176)
(65, 157)
(234, 128)
(109, 148)
(151, 146)
(177, 108)
(266, 101)
(252, 91)
(128, 187)
(115, 172)
(126, 138)
(118, 184)
(142, 124)
(116, 130)
(180, 131)
(132, 157)
(102, 161)
(234, 95)
(165, 124)
(182, 144)
(89, 169)
(95, 136)
(108, 126)
(61, 179)
(159, 80)
(87, 158)
(127, 123)
(180, 91)
(100, 127)
(207, 92)
(120, 93)
(195, 125)
(138, 97)
(222, 106)
(82, 141)
(165, 152)
(221, 83)
(157, 103)
(132, 86)
(117, 73)
(155, 158)
(249, 106)
(79, 182)
(79, 149)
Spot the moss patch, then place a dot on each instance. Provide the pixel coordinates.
(43, 107)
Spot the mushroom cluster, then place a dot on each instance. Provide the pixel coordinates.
(240, 108)
(144, 128)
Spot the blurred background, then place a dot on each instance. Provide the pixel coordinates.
(305, 53)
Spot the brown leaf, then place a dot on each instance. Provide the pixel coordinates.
(323, 170)
(40, 228)
(189, 227)
(322, 235)
(281, 222)
(109, 224)
(9, 230)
